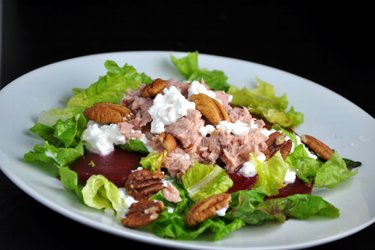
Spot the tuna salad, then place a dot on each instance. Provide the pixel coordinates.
(183, 158)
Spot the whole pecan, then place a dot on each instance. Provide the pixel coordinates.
(105, 112)
(210, 108)
(141, 184)
(154, 88)
(142, 213)
(276, 142)
(167, 141)
(207, 208)
(317, 146)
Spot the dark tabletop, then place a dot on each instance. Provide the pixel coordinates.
(330, 45)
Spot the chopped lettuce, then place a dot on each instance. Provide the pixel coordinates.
(248, 205)
(153, 161)
(189, 69)
(333, 172)
(271, 174)
(203, 180)
(100, 193)
(263, 101)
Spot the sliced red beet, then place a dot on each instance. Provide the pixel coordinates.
(241, 182)
(298, 187)
(115, 166)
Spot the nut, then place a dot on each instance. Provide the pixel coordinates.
(318, 147)
(206, 208)
(141, 184)
(276, 142)
(167, 141)
(154, 88)
(105, 112)
(210, 108)
(142, 213)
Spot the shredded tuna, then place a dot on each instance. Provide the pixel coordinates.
(177, 162)
(139, 106)
(171, 193)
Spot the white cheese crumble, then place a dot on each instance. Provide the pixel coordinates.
(248, 169)
(221, 212)
(236, 128)
(127, 199)
(101, 139)
(290, 177)
(168, 108)
(170, 209)
(267, 132)
(206, 130)
(198, 88)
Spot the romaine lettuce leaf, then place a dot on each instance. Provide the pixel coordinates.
(134, 145)
(172, 225)
(248, 205)
(100, 193)
(203, 180)
(271, 174)
(263, 101)
(189, 69)
(49, 155)
(333, 172)
(69, 179)
(153, 161)
(111, 87)
(304, 166)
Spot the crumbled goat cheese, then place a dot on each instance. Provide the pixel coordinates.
(290, 177)
(221, 212)
(198, 88)
(236, 128)
(168, 108)
(101, 139)
(206, 130)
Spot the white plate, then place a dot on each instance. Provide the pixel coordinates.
(328, 116)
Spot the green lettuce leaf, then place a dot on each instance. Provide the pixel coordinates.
(271, 174)
(153, 161)
(51, 116)
(111, 87)
(172, 226)
(263, 101)
(202, 181)
(134, 145)
(100, 193)
(304, 166)
(249, 206)
(49, 155)
(69, 179)
(69, 131)
(333, 172)
(189, 68)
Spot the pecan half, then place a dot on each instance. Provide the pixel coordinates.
(317, 146)
(105, 112)
(141, 184)
(167, 141)
(206, 208)
(142, 213)
(276, 142)
(210, 108)
(154, 88)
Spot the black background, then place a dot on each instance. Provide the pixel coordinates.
(329, 44)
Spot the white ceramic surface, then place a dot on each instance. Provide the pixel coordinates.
(328, 116)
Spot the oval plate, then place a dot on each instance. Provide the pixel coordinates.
(328, 116)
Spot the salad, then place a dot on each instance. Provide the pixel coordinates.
(187, 158)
